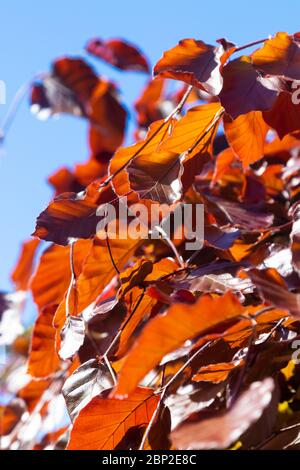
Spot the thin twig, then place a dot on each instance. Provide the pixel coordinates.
(146, 143)
(214, 122)
(250, 44)
(205, 346)
(171, 245)
(72, 284)
(241, 375)
(124, 326)
(110, 253)
(10, 115)
(153, 417)
(112, 372)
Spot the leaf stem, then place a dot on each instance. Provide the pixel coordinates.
(72, 284)
(140, 149)
(250, 44)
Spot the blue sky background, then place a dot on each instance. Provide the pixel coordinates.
(33, 33)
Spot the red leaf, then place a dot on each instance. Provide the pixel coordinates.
(284, 116)
(119, 53)
(245, 90)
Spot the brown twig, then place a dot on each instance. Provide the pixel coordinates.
(146, 143)
(73, 280)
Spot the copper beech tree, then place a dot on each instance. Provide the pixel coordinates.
(140, 342)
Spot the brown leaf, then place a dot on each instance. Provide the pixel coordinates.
(72, 215)
(244, 90)
(119, 53)
(98, 269)
(221, 431)
(184, 133)
(274, 290)
(66, 89)
(295, 237)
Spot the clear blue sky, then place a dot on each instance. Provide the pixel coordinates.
(33, 33)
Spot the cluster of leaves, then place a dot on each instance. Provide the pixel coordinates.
(147, 344)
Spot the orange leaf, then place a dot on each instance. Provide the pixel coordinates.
(216, 373)
(104, 422)
(98, 269)
(246, 135)
(193, 62)
(53, 274)
(279, 55)
(10, 415)
(167, 332)
(186, 131)
(22, 272)
(43, 359)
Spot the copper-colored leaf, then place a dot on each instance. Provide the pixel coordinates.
(183, 134)
(119, 53)
(149, 105)
(221, 431)
(53, 274)
(103, 423)
(244, 90)
(279, 55)
(274, 290)
(156, 177)
(193, 62)
(67, 89)
(216, 372)
(295, 237)
(10, 415)
(246, 135)
(169, 331)
(284, 116)
(107, 117)
(98, 269)
(72, 215)
(43, 359)
(22, 272)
